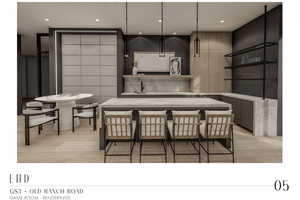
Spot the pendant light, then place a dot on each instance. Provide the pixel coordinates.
(126, 31)
(162, 42)
(197, 41)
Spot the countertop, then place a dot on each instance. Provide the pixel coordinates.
(165, 102)
(235, 95)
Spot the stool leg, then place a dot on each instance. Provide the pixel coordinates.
(174, 152)
(141, 149)
(199, 150)
(207, 146)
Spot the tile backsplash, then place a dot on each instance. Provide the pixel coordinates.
(157, 85)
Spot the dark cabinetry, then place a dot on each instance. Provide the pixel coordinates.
(243, 111)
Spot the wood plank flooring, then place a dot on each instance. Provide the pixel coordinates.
(82, 147)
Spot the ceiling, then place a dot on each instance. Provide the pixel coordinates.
(142, 17)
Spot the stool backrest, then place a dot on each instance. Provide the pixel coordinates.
(152, 124)
(118, 124)
(218, 124)
(186, 123)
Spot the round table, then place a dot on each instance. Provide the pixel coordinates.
(65, 103)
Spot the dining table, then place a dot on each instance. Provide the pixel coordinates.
(65, 103)
(155, 104)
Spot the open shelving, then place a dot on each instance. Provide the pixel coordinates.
(256, 47)
(252, 48)
(250, 64)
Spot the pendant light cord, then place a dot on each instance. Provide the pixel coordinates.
(162, 50)
(126, 31)
(126, 17)
(197, 31)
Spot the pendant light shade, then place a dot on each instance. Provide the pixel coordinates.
(126, 31)
(197, 41)
(162, 41)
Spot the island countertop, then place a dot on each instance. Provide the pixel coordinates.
(193, 94)
(164, 102)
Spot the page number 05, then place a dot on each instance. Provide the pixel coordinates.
(281, 185)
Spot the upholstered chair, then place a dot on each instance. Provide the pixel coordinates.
(35, 118)
(34, 105)
(152, 127)
(85, 111)
(185, 127)
(218, 125)
(119, 127)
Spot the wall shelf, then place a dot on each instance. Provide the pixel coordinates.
(176, 77)
(248, 79)
(249, 64)
(252, 48)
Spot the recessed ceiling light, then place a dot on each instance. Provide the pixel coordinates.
(97, 20)
(160, 20)
(174, 33)
(47, 19)
(222, 21)
(140, 33)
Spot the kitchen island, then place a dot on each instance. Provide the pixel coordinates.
(169, 104)
(257, 115)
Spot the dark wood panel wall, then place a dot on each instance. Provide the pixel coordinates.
(250, 34)
(150, 43)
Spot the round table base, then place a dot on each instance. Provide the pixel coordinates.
(65, 115)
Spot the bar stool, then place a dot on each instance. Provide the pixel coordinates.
(218, 125)
(152, 126)
(185, 127)
(119, 127)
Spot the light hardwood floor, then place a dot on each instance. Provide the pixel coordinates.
(82, 147)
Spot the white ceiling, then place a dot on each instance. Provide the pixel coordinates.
(179, 17)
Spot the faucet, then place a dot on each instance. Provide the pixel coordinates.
(142, 86)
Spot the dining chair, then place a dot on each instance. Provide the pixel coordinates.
(152, 127)
(86, 111)
(185, 127)
(119, 127)
(218, 126)
(35, 118)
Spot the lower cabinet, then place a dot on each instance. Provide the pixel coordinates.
(246, 110)
(243, 111)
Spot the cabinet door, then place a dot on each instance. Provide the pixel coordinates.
(235, 106)
(247, 114)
